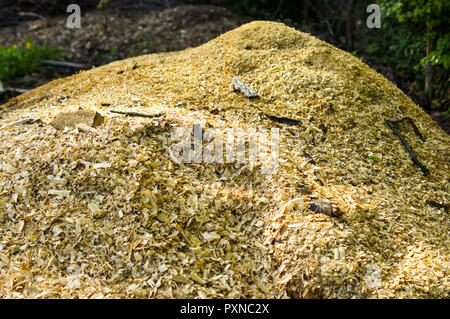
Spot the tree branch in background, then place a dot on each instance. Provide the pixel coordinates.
(306, 12)
(278, 10)
(428, 66)
(64, 64)
(349, 26)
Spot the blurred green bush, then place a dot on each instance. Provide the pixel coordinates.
(20, 60)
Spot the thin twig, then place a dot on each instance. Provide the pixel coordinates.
(410, 120)
(309, 157)
(278, 10)
(408, 148)
(64, 64)
(13, 90)
(32, 14)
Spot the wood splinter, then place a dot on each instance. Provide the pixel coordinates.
(138, 114)
(26, 122)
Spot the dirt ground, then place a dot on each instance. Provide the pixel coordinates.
(124, 31)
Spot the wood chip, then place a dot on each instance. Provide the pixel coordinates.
(71, 119)
(239, 85)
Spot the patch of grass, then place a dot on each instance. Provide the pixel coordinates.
(20, 60)
(374, 158)
(126, 274)
(112, 54)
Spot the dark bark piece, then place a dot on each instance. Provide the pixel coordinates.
(327, 208)
(305, 190)
(438, 205)
(323, 128)
(283, 120)
(412, 156)
(136, 66)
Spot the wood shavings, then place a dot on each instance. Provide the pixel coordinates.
(105, 212)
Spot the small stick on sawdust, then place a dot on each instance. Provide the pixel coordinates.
(410, 120)
(64, 64)
(138, 114)
(13, 90)
(412, 156)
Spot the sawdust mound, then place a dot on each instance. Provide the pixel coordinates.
(105, 212)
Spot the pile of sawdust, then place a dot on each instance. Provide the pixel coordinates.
(105, 212)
